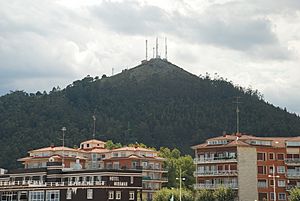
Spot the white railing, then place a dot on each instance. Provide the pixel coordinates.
(215, 160)
(293, 174)
(43, 184)
(292, 160)
(214, 186)
(216, 173)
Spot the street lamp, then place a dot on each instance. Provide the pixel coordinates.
(63, 146)
(180, 183)
(274, 179)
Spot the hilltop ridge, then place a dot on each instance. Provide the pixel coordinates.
(156, 103)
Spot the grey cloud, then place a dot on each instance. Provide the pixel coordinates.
(217, 26)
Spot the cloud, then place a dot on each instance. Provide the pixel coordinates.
(216, 26)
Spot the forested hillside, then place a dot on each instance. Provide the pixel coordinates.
(156, 103)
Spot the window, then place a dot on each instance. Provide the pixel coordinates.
(52, 196)
(118, 195)
(281, 196)
(271, 170)
(36, 195)
(280, 156)
(89, 194)
(261, 169)
(293, 144)
(281, 183)
(110, 195)
(261, 156)
(271, 156)
(262, 183)
(69, 194)
(131, 195)
(271, 196)
(271, 182)
(131, 180)
(281, 169)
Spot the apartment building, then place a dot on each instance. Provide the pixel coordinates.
(255, 167)
(93, 155)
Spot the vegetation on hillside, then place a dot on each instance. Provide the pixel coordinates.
(156, 103)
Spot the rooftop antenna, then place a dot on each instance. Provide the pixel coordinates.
(63, 146)
(237, 102)
(94, 132)
(156, 47)
(153, 52)
(146, 50)
(166, 49)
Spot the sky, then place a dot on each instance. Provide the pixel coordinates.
(255, 44)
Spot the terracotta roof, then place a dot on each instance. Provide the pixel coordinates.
(241, 140)
(93, 141)
(53, 149)
(133, 149)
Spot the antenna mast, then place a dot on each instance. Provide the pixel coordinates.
(94, 132)
(153, 52)
(146, 50)
(112, 71)
(156, 47)
(63, 146)
(237, 102)
(166, 49)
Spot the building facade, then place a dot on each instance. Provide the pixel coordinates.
(92, 155)
(255, 167)
(54, 183)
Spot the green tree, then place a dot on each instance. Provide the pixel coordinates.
(204, 195)
(224, 194)
(165, 195)
(111, 145)
(294, 194)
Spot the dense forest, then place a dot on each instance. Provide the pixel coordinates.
(156, 103)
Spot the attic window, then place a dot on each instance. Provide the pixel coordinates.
(260, 142)
(87, 145)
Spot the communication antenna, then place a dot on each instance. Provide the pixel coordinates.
(63, 146)
(94, 132)
(112, 71)
(237, 102)
(156, 47)
(153, 52)
(166, 49)
(146, 50)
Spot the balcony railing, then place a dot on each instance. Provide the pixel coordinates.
(10, 184)
(289, 187)
(215, 186)
(215, 160)
(161, 179)
(293, 174)
(217, 173)
(292, 160)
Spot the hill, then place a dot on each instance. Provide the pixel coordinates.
(156, 103)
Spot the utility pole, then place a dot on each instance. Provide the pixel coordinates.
(180, 183)
(274, 179)
(94, 130)
(63, 146)
(237, 102)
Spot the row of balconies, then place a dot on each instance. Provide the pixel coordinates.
(216, 173)
(49, 184)
(215, 186)
(215, 160)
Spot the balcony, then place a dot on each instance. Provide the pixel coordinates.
(156, 179)
(216, 173)
(293, 174)
(292, 161)
(42, 184)
(215, 186)
(215, 160)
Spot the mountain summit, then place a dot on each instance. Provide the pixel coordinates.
(156, 103)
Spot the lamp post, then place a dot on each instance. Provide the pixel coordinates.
(63, 147)
(180, 183)
(274, 179)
